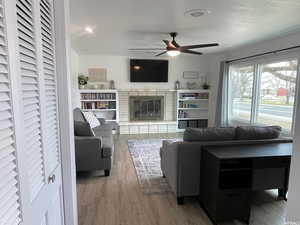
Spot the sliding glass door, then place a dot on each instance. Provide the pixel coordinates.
(240, 93)
(263, 94)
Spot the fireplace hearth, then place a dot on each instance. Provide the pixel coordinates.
(146, 108)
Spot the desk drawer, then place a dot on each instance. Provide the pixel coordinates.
(274, 162)
(233, 204)
(268, 178)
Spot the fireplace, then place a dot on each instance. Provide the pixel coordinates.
(146, 108)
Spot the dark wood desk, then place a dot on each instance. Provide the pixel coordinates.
(230, 174)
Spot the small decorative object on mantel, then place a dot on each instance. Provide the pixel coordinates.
(205, 86)
(190, 75)
(112, 84)
(177, 85)
(82, 81)
(191, 85)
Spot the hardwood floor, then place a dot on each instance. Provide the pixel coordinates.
(118, 199)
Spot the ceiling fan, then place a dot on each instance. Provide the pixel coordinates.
(174, 49)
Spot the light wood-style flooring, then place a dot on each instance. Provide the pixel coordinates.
(118, 199)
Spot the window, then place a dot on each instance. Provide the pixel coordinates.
(263, 94)
(240, 92)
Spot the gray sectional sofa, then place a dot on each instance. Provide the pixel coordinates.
(94, 148)
(181, 160)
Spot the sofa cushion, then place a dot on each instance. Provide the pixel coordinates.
(257, 132)
(83, 129)
(209, 134)
(92, 119)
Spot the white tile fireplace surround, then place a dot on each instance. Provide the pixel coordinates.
(167, 123)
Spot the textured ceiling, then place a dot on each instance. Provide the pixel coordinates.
(123, 24)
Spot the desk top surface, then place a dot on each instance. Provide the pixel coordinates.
(252, 151)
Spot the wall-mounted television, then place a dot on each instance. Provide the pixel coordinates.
(144, 70)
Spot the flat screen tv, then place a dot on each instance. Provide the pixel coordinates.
(144, 70)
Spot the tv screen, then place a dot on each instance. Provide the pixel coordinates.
(148, 70)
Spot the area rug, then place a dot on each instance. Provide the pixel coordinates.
(146, 160)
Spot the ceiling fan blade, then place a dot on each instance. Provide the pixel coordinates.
(166, 42)
(199, 46)
(191, 52)
(164, 52)
(175, 44)
(143, 49)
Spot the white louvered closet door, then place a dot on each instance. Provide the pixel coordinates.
(29, 76)
(49, 71)
(35, 103)
(10, 212)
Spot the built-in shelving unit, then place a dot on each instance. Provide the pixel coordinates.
(104, 103)
(192, 108)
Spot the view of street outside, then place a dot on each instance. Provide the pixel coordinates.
(277, 87)
(268, 114)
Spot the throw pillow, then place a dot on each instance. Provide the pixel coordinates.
(91, 119)
(209, 134)
(256, 132)
(83, 129)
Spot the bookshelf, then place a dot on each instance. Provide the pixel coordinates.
(192, 109)
(104, 103)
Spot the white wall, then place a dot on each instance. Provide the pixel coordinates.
(74, 80)
(118, 69)
(294, 187)
(264, 46)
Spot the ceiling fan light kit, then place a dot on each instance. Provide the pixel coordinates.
(174, 49)
(173, 53)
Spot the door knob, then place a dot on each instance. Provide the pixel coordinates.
(51, 179)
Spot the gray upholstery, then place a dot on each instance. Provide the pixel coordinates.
(256, 132)
(209, 134)
(78, 115)
(83, 129)
(105, 130)
(181, 162)
(94, 153)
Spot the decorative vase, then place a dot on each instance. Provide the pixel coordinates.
(206, 86)
(112, 84)
(177, 85)
(82, 81)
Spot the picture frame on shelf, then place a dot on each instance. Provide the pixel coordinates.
(97, 75)
(191, 75)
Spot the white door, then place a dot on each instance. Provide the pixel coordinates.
(31, 59)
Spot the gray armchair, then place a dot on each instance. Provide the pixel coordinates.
(94, 150)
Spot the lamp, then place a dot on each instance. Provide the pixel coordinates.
(173, 53)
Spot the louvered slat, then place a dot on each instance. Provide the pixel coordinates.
(10, 213)
(51, 131)
(31, 100)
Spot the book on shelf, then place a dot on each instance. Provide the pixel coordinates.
(201, 123)
(98, 96)
(192, 96)
(188, 105)
(87, 105)
(98, 105)
(182, 114)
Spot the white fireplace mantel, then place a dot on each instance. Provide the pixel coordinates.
(168, 125)
(146, 90)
